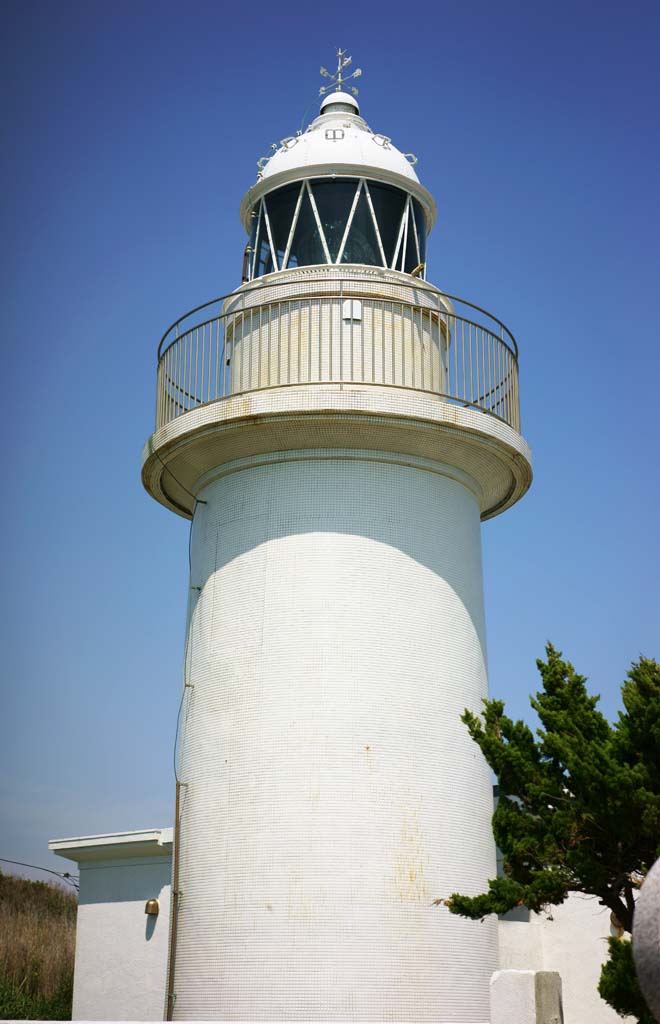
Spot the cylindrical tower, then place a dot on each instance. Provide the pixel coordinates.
(335, 428)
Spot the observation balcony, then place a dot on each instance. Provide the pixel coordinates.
(319, 341)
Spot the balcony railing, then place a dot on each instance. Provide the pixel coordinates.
(343, 333)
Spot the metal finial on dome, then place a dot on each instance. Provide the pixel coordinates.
(338, 81)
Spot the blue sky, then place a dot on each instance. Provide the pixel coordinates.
(132, 130)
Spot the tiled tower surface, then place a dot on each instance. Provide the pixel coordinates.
(336, 429)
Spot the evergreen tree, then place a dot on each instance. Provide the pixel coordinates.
(579, 806)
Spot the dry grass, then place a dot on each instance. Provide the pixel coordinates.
(37, 945)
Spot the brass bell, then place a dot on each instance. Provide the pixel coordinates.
(151, 907)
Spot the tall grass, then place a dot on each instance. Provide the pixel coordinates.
(37, 945)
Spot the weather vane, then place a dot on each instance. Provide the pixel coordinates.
(338, 81)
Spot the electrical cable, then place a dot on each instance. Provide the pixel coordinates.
(185, 652)
(66, 876)
(176, 733)
(171, 995)
(309, 107)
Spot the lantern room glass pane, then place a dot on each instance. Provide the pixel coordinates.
(362, 243)
(333, 201)
(411, 259)
(389, 204)
(281, 208)
(253, 238)
(306, 247)
(420, 223)
(263, 258)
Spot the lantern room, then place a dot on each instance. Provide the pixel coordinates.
(337, 220)
(338, 194)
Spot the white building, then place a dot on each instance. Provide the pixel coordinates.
(336, 429)
(121, 953)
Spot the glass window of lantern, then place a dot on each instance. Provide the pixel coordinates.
(411, 259)
(362, 243)
(338, 220)
(253, 230)
(420, 224)
(306, 246)
(389, 204)
(281, 206)
(263, 257)
(334, 200)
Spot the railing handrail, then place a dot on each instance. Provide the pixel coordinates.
(261, 286)
(250, 310)
(412, 343)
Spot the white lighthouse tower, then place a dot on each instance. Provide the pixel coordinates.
(336, 428)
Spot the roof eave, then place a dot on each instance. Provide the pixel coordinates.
(273, 181)
(156, 842)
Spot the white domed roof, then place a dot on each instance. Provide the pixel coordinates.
(337, 142)
(336, 139)
(342, 100)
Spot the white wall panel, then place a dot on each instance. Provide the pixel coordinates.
(121, 952)
(570, 939)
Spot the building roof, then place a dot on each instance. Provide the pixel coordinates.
(339, 136)
(338, 142)
(153, 842)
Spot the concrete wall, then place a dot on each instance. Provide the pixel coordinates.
(574, 943)
(332, 791)
(121, 953)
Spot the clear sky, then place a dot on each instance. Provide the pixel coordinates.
(132, 130)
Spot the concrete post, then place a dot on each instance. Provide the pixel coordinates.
(526, 997)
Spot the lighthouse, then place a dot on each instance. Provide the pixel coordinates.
(335, 428)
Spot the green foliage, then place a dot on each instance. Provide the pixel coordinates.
(37, 941)
(579, 804)
(618, 983)
(16, 1004)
